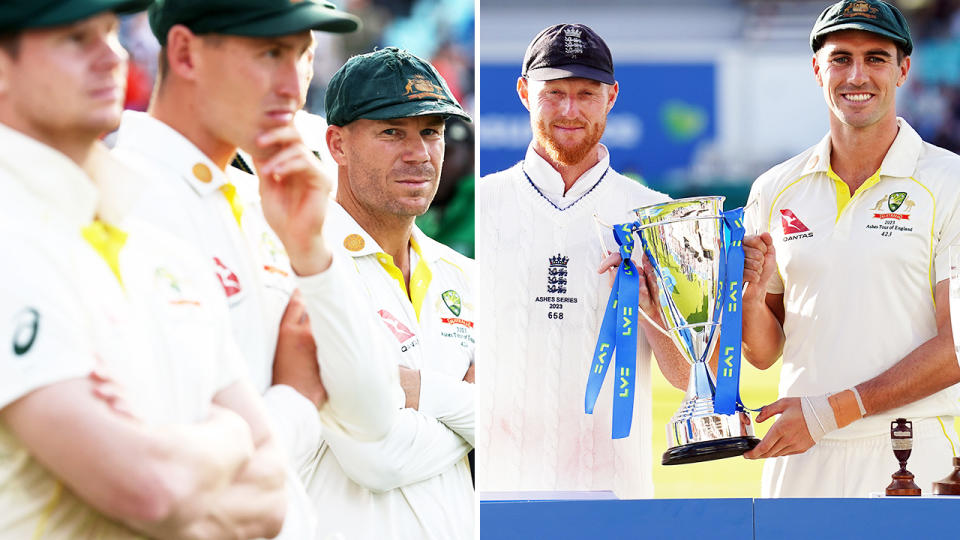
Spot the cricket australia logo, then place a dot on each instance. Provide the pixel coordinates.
(896, 205)
(557, 274)
(572, 44)
(452, 300)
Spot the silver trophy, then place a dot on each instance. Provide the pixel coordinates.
(684, 240)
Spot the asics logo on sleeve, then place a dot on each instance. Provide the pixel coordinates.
(26, 323)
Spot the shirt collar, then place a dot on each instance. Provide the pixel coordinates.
(154, 139)
(550, 183)
(900, 161)
(344, 231)
(107, 191)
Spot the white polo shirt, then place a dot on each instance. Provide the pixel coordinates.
(858, 272)
(185, 196)
(415, 483)
(163, 334)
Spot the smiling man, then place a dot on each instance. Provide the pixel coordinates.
(543, 297)
(866, 214)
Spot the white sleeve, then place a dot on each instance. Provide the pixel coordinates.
(295, 421)
(757, 218)
(449, 400)
(44, 334)
(360, 379)
(947, 234)
(418, 447)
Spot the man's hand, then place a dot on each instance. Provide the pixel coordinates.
(295, 362)
(295, 193)
(788, 435)
(410, 382)
(759, 264)
(469, 376)
(649, 291)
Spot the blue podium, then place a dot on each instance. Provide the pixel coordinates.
(747, 519)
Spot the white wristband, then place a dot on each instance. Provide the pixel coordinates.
(818, 416)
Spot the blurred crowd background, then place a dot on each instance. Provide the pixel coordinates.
(712, 92)
(441, 31)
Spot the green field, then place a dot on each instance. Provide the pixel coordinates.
(732, 477)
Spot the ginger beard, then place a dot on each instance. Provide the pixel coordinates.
(567, 155)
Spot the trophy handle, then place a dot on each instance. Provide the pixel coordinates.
(600, 223)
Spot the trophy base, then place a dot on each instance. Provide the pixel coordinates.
(709, 450)
(903, 485)
(951, 484)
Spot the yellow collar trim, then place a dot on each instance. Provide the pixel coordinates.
(419, 279)
(230, 192)
(843, 189)
(107, 240)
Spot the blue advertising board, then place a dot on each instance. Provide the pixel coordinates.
(663, 113)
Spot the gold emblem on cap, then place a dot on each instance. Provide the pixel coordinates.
(860, 9)
(202, 173)
(418, 87)
(353, 242)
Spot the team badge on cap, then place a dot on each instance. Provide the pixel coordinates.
(419, 87)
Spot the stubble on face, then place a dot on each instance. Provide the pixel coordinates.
(374, 186)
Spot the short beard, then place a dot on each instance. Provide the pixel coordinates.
(564, 155)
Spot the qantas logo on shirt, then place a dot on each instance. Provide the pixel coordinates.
(793, 228)
(399, 329)
(229, 281)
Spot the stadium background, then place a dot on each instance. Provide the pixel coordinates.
(712, 93)
(441, 31)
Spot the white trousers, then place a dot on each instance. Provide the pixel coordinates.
(859, 467)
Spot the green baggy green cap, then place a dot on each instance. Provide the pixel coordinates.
(16, 15)
(868, 15)
(388, 83)
(250, 18)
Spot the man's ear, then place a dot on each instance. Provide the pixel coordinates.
(183, 51)
(6, 71)
(612, 95)
(816, 70)
(522, 91)
(335, 142)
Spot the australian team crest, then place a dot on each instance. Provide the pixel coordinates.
(452, 300)
(897, 205)
(895, 200)
(418, 87)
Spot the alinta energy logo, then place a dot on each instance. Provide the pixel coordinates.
(793, 228)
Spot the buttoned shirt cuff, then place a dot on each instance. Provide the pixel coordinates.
(296, 422)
